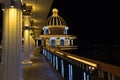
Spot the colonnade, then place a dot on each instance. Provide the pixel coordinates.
(57, 41)
(12, 56)
(12, 41)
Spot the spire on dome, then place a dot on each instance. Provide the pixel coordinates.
(55, 12)
(55, 19)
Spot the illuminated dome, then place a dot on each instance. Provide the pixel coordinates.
(55, 19)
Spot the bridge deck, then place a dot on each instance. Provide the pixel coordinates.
(40, 70)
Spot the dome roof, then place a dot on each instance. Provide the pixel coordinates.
(55, 19)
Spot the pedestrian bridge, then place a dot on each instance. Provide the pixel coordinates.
(50, 63)
(54, 64)
(73, 67)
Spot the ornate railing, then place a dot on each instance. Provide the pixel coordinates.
(73, 67)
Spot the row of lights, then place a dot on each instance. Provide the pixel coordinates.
(25, 9)
(12, 5)
(94, 65)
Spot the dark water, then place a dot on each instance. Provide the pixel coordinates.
(104, 53)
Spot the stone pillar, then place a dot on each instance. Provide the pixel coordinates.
(65, 41)
(36, 43)
(26, 25)
(12, 41)
(31, 45)
(47, 42)
(43, 42)
(71, 42)
(68, 42)
(58, 42)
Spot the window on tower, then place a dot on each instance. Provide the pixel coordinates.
(61, 42)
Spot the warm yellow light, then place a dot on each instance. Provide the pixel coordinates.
(52, 50)
(27, 62)
(12, 6)
(55, 12)
(24, 10)
(3, 9)
(12, 17)
(27, 20)
(26, 36)
(59, 53)
(83, 61)
(12, 12)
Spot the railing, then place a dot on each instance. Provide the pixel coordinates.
(73, 67)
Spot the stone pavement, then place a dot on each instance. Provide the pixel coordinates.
(0, 71)
(40, 70)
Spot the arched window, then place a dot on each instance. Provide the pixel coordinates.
(53, 42)
(46, 31)
(61, 42)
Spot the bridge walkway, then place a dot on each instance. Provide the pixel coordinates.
(40, 70)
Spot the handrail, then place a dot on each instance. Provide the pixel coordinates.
(112, 69)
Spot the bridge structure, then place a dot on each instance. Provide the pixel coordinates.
(73, 67)
(23, 21)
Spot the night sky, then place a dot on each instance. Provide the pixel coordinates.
(93, 22)
(96, 25)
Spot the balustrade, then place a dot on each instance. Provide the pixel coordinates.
(73, 67)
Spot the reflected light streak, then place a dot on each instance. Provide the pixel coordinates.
(26, 34)
(27, 62)
(12, 13)
(83, 61)
(52, 50)
(59, 53)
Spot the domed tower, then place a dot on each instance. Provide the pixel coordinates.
(55, 32)
(55, 24)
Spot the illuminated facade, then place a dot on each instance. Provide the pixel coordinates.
(17, 24)
(55, 33)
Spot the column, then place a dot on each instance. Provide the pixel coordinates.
(31, 45)
(58, 42)
(71, 42)
(36, 43)
(26, 27)
(12, 41)
(47, 42)
(43, 42)
(68, 42)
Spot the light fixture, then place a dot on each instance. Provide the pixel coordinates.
(83, 61)
(3, 6)
(12, 4)
(26, 9)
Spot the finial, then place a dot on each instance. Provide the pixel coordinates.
(55, 11)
